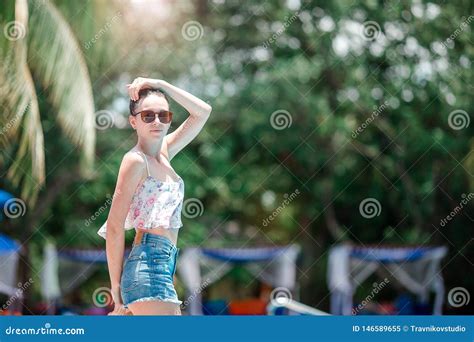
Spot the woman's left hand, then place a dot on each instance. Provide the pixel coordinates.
(120, 310)
(138, 84)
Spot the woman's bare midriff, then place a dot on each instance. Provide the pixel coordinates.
(170, 233)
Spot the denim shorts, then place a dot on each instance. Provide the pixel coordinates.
(148, 271)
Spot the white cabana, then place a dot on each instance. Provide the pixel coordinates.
(9, 256)
(66, 270)
(415, 268)
(197, 268)
(200, 267)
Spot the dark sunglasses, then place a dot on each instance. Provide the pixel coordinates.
(148, 116)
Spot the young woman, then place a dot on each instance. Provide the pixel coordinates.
(148, 197)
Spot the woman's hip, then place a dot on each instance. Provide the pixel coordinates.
(169, 233)
(149, 270)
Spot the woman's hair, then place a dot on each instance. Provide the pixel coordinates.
(142, 93)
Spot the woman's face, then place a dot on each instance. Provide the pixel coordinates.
(155, 129)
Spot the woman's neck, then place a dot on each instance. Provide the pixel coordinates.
(151, 148)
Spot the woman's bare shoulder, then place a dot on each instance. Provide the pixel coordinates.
(133, 161)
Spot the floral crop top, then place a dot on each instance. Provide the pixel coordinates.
(155, 203)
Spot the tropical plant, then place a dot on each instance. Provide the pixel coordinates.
(41, 58)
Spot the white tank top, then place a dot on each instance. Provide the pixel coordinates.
(155, 203)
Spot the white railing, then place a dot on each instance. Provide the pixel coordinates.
(294, 306)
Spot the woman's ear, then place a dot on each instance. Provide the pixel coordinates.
(133, 121)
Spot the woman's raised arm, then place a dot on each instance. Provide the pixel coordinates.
(199, 112)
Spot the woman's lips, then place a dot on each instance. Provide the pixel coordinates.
(156, 130)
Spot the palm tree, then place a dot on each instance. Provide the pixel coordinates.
(39, 52)
(40, 55)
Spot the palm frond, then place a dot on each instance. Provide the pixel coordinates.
(21, 134)
(56, 61)
(49, 51)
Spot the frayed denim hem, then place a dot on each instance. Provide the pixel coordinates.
(145, 299)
